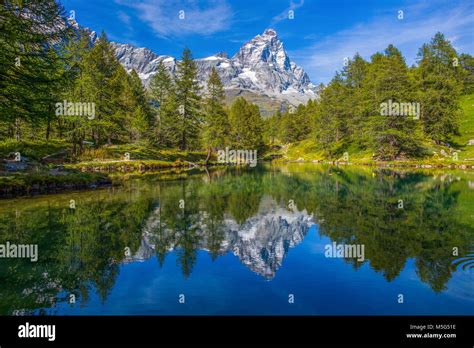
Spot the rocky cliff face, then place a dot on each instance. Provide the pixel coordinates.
(261, 66)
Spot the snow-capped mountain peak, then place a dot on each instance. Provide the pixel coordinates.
(261, 66)
(266, 49)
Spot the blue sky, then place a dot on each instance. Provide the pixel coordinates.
(321, 35)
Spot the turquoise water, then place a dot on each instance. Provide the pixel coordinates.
(247, 241)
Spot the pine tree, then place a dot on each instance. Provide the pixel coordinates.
(245, 125)
(216, 127)
(467, 62)
(104, 86)
(161, 90)
(387, 81)
(75, 128)
(331, 127)
(271, 126)
(161, 84)
(30, 68)
(354, 71)
(170, 129)
(187, 93)
(295, 125)
(440, 85)
(140, 119)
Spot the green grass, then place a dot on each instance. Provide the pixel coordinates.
(140, 152)
(16, 184)
(33, 150)
(116, 165)
(466, 128)
(307, 150)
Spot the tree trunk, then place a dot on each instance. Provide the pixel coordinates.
(209, 151)
(183, 141)
(17, 129)
(60, 129)
(48, 129)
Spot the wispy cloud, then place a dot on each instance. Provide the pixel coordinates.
(322, 58)
(285, 14)
(177, 18)
(124, 18)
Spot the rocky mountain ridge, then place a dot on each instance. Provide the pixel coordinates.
(261, 66)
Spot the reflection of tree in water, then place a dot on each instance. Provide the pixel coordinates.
(213, 202)
(202, 218)
(81, 249)
(353, 208)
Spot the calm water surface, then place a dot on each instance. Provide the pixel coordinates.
(247, 241)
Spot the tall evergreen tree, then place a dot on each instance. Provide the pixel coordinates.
(467, 62)
(188, 98)
(295, 125)
(162, 92)
(75, 129)
(440, 85)
(29, 64)
(245, 125)
(271, 126)
(216, 126)
(387, 81)
(331, 127)
(103, 75)
(140, 118)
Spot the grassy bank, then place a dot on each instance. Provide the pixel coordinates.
(437, 155)
(49, 166)
(25, 184)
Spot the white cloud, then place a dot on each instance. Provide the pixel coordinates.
(124, 18)
(200, 17)
(420, 23)
(284, 15)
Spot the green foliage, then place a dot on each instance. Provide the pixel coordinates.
(140, 113)
(32, 149)
(387, 81)
(40, 69)
(466, 129)
(246, 125)
(30, 67)
(467, 63)
(295, 125)
(82, 248)
(271, 128)
(440, 84)
(188, 101)
(332, 120)
(163, 96)
(216, 125)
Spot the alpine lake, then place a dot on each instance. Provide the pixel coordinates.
(287, 239)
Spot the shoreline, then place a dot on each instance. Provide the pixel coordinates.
(388, 164)
(93, 175)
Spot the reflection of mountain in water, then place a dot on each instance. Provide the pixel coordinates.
(242, 212)
(261, 242)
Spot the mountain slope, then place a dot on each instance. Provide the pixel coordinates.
(260, 67)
